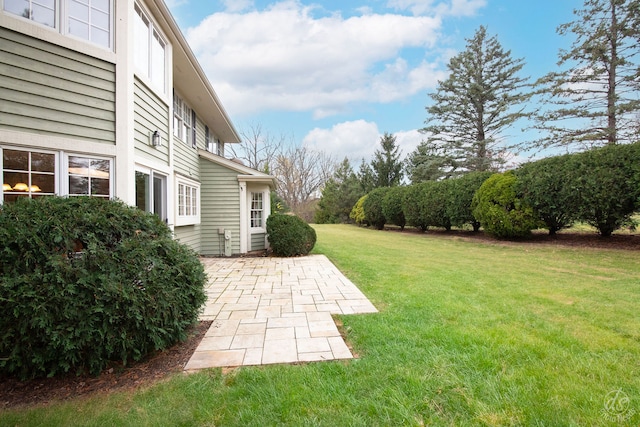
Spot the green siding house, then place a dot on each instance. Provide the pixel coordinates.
(105, 98)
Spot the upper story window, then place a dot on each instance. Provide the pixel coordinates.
(90, 20)
(183, 120)
(149, 50)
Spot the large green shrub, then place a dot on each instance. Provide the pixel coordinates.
(461, 194)
(392, 206)
(373, 207)
(413, 205)
(607, 185)
(437, 196)
(289, 235)
(500, 210)
(549, 187)
(85, 281)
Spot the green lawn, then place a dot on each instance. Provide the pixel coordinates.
(468, 333)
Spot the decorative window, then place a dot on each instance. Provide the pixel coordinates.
(90, 20)
(89, 177)
(149, 50)
(183, 120)
(256, 210)
(188, 202)
(27, 174)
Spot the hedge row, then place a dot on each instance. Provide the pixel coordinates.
(600, 187)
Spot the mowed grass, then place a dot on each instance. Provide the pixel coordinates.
(468, 333)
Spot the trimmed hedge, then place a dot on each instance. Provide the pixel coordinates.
(86, 281)
(372, 206)
(461, 192)
(289, 235)
(500, 210)
(392, 206)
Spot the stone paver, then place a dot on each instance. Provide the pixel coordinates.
(275, 310)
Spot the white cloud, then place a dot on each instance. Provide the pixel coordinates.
(357, 140)
(452, 7)
(284, 58)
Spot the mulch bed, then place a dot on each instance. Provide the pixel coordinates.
(15, 393)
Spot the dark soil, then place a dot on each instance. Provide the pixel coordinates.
(15, 393)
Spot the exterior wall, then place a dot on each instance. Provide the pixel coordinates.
(220, 208)
(258, 241)
(190, 236)
(50, 90)
(150, 114)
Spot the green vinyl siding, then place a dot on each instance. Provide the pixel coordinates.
(189, 235)
(186, 159)
(220, 207)
(51, 90)
(150, 114)
(257, 242)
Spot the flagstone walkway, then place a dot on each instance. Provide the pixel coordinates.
(275, 310)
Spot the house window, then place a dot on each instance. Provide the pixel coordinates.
(27, 174)
(90, 20)
(151, 191)
(149, 50)
(183, 120)
(188, 202)
(256, 210)
(89, 177)
(40, 11)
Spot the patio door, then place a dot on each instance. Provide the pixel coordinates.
(151, 192)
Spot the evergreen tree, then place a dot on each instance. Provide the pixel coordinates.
(365, 177)
(600, 87)
(340, 193)
(428, 162)
(482, 97)
(386, 163)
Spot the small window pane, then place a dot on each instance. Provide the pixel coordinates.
(46, 183)
(41, 162)
(79, 11)
(79, 29)
(15, 160)
(43, 15)
(100, 168)
(79, 165)
(15, 178)
(18, 7)
(100, 4)
(157, 61)
(78, 185)
(99, 19)
(99, 187)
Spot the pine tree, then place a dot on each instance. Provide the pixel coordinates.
(596, 100)
(386, 164)
(482, 97)
(340, 193)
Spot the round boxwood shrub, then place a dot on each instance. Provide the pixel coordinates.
(289, 235)
(500, 210)
(85, 281)
(372, 206)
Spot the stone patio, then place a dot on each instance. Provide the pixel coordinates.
(275, 310)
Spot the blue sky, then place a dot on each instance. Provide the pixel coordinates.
(336, 75)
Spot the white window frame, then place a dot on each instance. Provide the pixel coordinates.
(150, 74)
(67, 173)
(186, 190)
(56, 172)
(163, 211)
(62, 17)
(261, 228)
(183, 115)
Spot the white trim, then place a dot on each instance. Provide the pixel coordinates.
(244, 219)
